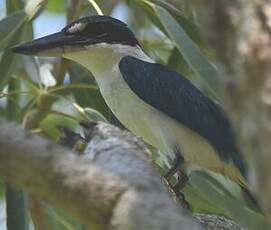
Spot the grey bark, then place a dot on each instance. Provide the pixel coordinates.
(112, 185)
(211, 222)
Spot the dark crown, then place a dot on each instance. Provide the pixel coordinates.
(98, 29)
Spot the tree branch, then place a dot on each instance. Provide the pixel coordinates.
(112, 185)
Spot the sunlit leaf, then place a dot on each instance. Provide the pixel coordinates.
(96, 7)
(33, 7)
(94, 115)
(53, 122)
(46, 75)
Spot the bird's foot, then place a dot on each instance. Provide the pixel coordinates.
(177, 163)
(177, 189)
(72, 140)
(182, 179)
(76, 141)
(181, 182)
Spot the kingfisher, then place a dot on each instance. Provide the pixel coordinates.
(155, 103)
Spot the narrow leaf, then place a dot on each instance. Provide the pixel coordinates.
(94, 115)
(33, 8)
(7, 60)
(9, 26)
(177, 62)
(189, 26)
(150, 13)
(220, 196)
(192, 54)
(96, 7)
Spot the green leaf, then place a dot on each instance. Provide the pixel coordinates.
(33, 8)
(8, 59)
(52, 123)
(208, 192)
(27, 108)
(59, 220)
(150, 13)
(200, 65)
(166, 5)
(189, 26)
(94, 115)
(9, 26)
(177, 62)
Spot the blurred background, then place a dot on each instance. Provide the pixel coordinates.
(222, 47)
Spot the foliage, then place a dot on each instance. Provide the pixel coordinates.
(46, 94)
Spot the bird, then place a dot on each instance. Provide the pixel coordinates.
(154, 102)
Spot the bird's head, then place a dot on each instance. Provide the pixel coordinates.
(90, 41)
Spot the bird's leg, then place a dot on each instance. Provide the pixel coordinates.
(76, 141)
(175, 167)
(181, 179)
(177, 188)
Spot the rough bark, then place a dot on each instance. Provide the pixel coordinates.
(112, 185)
(217, 222)
(239, 33)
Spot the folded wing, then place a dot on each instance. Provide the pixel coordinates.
(177, 97)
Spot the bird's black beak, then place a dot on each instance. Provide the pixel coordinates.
(52, 45)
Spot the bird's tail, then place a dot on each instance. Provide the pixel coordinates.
(252, 201)
(234, 174)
